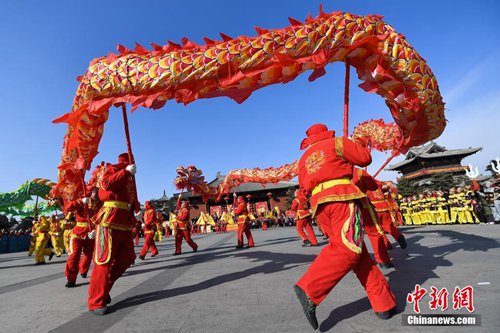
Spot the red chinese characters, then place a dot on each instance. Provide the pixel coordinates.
(415, 297)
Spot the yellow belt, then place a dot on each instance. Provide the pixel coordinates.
(376, 202)
(82, 224)
(330, 183)
(148, 231)
(117, 204)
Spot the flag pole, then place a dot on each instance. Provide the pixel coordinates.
(346, 96)
(130, 155)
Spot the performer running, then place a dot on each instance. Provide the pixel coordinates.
(68, 224)
(149, 232)
(365, 182)
(384, 217)
(159, 227)
(241, 212)
(34, 234)
(56, 236)
(182, 226)
(114, 251)
(42, 238)
(82, 236)
(325, 171)
(300, 206)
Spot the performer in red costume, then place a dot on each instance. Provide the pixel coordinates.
(182, 227)
(82, 236)
(365, 183)
(303, 217)
(241, 212)
(149, 232)
(325, 171)
(382, 207)
(114, 249)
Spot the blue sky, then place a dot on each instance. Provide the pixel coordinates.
(46, 45)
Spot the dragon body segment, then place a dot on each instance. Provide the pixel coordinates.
(386, 63)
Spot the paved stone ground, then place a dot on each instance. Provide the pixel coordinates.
(221, 289)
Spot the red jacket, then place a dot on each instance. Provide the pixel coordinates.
(325, 169)
(82, 215)
(241, 212)
(149, 218)
(300, 207)
(117, 188)
(378, 199)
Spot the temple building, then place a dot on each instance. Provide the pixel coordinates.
(422, 162)
(270, 197)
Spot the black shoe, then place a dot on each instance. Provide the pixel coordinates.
(83, 275)
(238, 247)
(195, 249)
(152, 256)
(40, 263)
(70, 284)
(386, 265)
(386, 314)
(142, 257)
(51, 255)
(389, 247)
(100, 311)
(306, 243)
(108, 300)
(57, 256)
(176, 254)
(308, 306)
(402, 241)
(325, 238)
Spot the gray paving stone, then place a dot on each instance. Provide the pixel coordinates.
(222, 289)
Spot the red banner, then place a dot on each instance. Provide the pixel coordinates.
(261, 207)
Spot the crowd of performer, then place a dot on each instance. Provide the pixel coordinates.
(459, 205)
(335, 193)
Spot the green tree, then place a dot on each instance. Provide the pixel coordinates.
(290, 195)
(441, 181)
(407, 187)
(4, 222)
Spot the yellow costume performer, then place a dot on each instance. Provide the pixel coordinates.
(42, 238)
(56, 235)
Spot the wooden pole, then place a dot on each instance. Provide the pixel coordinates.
(130, 155)
(35, 213)
(383, 165)
(346, 96)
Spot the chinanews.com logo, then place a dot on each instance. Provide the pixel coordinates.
(461, 298)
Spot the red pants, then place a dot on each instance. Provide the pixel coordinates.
(149, 242)
(136, 236)
(385, 221)
(310, 236)
(187, 237)
(376, 237)
(104, 276)
(75, 263)
(244, 228)
(342, 255)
